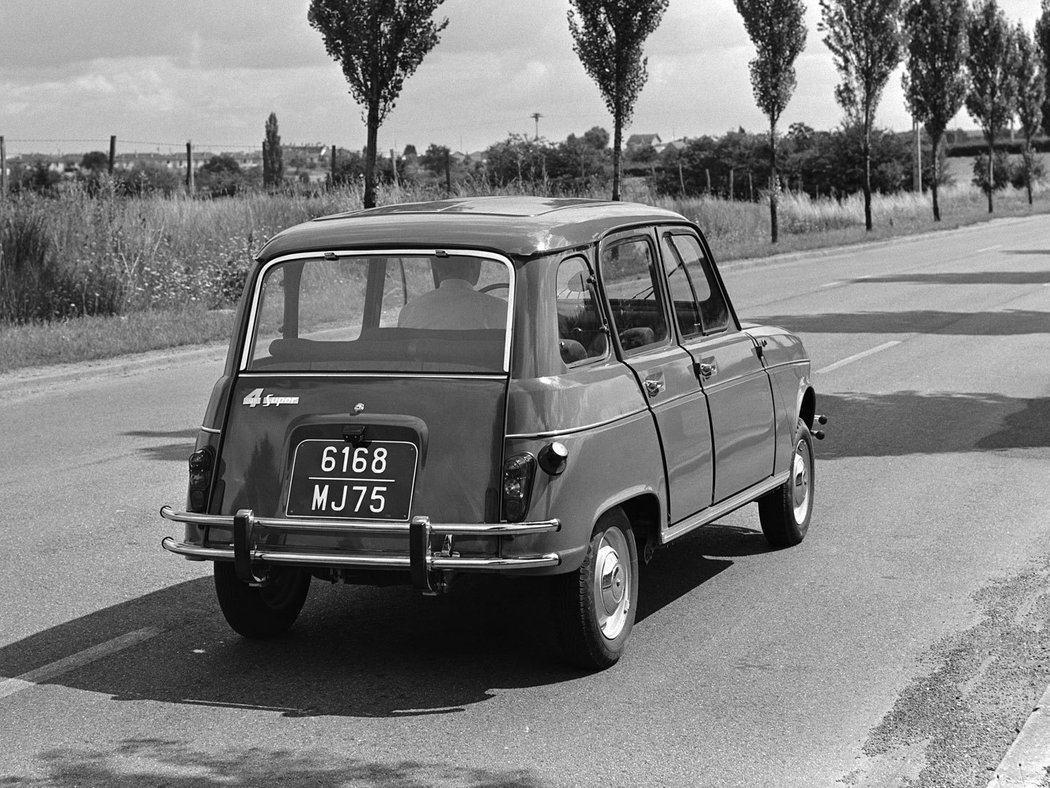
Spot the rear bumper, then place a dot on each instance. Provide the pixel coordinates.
(421, 560)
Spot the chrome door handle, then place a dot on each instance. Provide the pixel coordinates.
(653, 386)
(707, 370)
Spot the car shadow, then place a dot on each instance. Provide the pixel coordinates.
(165, 762)
(1009, 322)
(175, 445)
(355, 651)
(911, 422)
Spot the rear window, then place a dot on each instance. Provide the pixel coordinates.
(382, 313)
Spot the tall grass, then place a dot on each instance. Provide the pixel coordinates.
(77, 255)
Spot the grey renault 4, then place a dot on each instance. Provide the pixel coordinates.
(509, 385)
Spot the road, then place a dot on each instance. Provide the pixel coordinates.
(903, 643)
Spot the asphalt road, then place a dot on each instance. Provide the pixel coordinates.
(903, 643)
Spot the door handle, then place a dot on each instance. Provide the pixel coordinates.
(653, 386)
(707, 370)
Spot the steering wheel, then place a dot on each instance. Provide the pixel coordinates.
(496, 286)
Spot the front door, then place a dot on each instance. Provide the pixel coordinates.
(637, 308)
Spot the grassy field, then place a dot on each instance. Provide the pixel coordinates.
(84, 278)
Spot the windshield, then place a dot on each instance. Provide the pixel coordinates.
(382, 313)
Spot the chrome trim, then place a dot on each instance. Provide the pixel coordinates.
(434, 562)
(368, 526)
(574, 430)
(723, 508)
(211, 430)
(428, 375)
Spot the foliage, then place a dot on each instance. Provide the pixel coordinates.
(95, 161)
(608, 38)
(1000, 171)
(379, 44)
(220, 176)
(777, 28)
(1031, 91)
(992, 63)
(1042, 42)
(435, 159)
(144, 179)
(865, 41)
(935, 82)
(272, 155)
(577, 165)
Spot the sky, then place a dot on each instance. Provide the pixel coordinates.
(158, 74)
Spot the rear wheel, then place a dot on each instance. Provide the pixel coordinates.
(263, 611)
(785, 512)
(595, 605)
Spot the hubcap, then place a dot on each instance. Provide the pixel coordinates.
(612, 583)
(800, 480)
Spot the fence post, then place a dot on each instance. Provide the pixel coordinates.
(3, 168)
(112, 152)
(732, 196)
(393, 166)
(707, 174)
(191, 185)
(333, 166)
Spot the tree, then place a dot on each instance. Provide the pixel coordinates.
(1031, 92)
(273, 157)
(992, 64)
(608, 38)
(1042, 43)
(777, 28)
(865, 41)
(95, 161)
(379, 44)
(935, 81)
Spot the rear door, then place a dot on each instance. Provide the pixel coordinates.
(727, 365)
(633, 287)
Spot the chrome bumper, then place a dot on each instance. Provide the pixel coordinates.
(421, 560)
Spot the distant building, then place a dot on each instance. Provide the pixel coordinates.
(637, 142)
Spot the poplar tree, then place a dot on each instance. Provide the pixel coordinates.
(1031, 92)
(1042, 43)
(865, 41)
(273, 157)
(935, 82)
(609, 37)
(777, 28)
(379, 44)
(992, 64)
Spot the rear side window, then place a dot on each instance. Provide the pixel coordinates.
(714, 314)
(629, 276)
(581, 331)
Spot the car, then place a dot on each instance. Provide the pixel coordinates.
(515, 385)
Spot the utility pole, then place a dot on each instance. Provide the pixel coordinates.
(536, 117)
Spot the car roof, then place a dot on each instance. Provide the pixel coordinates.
(519, 226)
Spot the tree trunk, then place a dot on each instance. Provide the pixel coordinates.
(936, 177)
(370, 155)
(867, 175)
(773, 183)
(1028, 169)
(991, 172)
(617, 138)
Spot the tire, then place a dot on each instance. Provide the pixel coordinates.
(595, 606)
(785, 512)
(265, 611)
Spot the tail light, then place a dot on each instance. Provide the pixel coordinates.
(202, 462)
(518, 472)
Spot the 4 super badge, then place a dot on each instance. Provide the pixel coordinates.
(259, 397)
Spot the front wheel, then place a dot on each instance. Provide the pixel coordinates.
(785, 512)
(595, 605)
(263, 611)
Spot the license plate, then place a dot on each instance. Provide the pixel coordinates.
(333, 479)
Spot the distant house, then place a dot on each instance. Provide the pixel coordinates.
(675, 145)
(637, 142)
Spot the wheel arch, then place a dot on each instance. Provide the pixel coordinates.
(807, 406)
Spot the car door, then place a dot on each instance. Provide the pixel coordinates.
(635, 296)
(728, 366)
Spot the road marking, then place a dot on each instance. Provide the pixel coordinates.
(858, 356)
(989, 248)
(1026, 762)
(73, 661)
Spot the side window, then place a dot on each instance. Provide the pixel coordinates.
(629, 276)
(683, 296)
(713, 310)
(581, 332)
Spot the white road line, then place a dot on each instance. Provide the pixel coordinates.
(989, 248)
(74, 661)
(858, 356)
(1026, 762)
